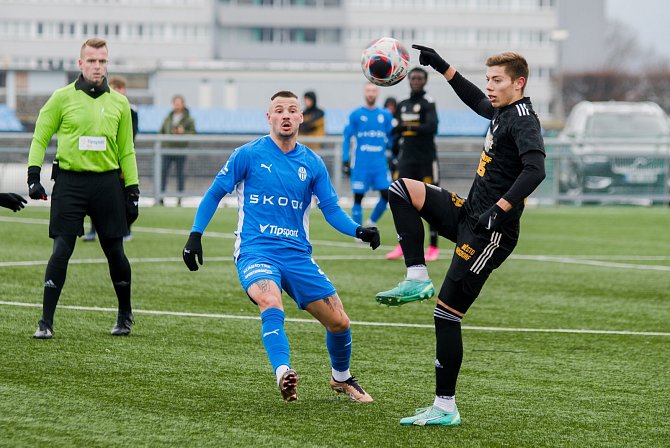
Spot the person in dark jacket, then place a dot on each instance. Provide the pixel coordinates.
(178, 122)
(314, 123)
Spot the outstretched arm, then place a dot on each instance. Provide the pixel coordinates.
(206, 209)
(466, 91)
(337, 218)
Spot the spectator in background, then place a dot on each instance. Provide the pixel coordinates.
(178, 122)
(118, 83)
(314, 124)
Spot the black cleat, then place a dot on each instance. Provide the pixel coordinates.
(44, 331)
(124, 323)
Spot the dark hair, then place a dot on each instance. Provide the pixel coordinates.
(514, 64)
(311, 95)
(284, 94)
(420, 70)
(390, 101)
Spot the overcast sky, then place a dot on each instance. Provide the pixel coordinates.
(650, 18)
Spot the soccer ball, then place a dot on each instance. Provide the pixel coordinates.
(385, 62)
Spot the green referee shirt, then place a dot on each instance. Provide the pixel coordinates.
(94, 134)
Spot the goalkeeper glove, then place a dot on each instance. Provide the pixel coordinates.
(35, 188)
(491, 219)
(132, 203)
(12, 201)
(192, 250)
(369, 235)
(428, 56)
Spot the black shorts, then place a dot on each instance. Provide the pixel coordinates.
(99, 195)
(428, 173)
(476, 254)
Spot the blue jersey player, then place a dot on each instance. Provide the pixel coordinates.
(371, 127)
(275, 178)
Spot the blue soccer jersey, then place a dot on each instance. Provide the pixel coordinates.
(274, 195)
(372, 130)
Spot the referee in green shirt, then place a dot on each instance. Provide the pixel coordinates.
(95, 141)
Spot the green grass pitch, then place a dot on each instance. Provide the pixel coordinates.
(194, 371)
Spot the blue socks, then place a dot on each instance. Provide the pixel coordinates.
(274, 337)
(379, 210)
(339, 348)
(357, 213)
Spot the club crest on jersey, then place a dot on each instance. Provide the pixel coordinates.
(302, 173)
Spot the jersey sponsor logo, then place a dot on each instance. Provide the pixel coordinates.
(465, 251)
(371, 148)
(302, 174)
(457, 200)
(481, 169)
(267, 167)
(224, 170)
(279, 231)
(281, 201)
(257, 268)
(371, 134)
(87, 143)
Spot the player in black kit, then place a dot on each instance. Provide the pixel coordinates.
(484, 226)
(413, 151)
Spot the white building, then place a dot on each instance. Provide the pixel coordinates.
(236, 53)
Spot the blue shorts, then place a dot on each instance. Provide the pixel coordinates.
(364, 179)
(296, 273)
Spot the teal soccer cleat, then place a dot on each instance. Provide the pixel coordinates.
(407, 291)
(432, 416)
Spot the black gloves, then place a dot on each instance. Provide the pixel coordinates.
(491, 219)
(369, 235)
(346, 168)
(35, 188)
(428, 56)
(132, 203)
(192, 249)
(12, 201)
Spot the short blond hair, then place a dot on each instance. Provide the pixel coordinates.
(94, 42)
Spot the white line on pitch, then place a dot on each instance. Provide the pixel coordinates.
(362, 323)
(546, 258)
(589, 260)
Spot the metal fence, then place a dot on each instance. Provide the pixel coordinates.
(577, 172)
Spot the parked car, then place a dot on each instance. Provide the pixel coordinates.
(615, 148)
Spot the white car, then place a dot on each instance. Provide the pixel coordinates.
(615, 148)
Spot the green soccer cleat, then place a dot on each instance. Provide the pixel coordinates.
(407, 291)
(432, 416)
